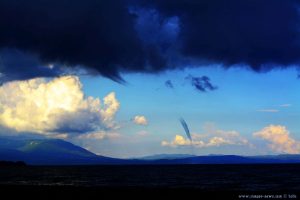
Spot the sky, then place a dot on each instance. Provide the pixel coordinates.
(117, 83)
(245, 102)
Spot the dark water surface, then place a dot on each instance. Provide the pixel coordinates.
(283, 177)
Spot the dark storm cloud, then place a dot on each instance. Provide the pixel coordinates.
(169, 84)
(96, 34)
(149, 36)
(202, 83)
(260, 34)
(17, 65)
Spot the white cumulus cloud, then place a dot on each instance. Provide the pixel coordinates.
(218, 141)
(279, 139)
(212, 138)
(140, 120)
(179, 140)
(54, 106)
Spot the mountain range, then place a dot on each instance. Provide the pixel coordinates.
(60, 152)
(49, 152)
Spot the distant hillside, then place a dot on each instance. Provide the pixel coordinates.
(166, 156)
(60, 152)
(231, 159)
(48, 152)
(12, 164)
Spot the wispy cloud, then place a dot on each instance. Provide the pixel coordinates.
(268, 110)
(274, 109)
(100, 135)
(285, 105)
(142, 133)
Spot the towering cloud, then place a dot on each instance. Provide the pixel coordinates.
(279, 139)
(119, 36)
(54, 106)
